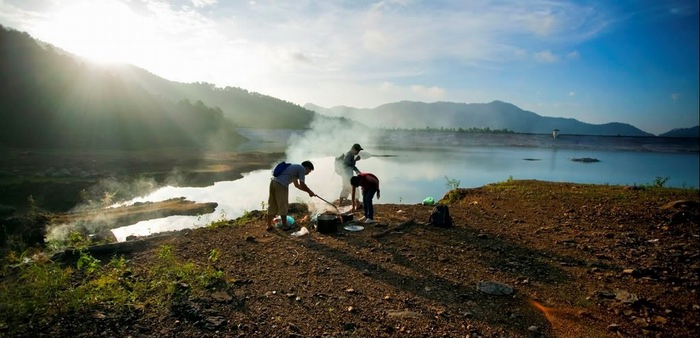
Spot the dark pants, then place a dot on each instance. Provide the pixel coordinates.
(367, 196)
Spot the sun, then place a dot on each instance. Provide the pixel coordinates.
(101, 30)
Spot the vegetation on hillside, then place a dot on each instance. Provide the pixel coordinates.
(52, 100)
(245, 108)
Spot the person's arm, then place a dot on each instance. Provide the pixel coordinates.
(375, 180)
(352, 196)
(303, 187)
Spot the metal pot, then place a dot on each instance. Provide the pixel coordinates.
(326, 223)
(347, 217)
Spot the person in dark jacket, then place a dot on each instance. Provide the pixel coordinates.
(370, 185)
(349, 167)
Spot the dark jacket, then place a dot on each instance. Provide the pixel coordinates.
(349, 162)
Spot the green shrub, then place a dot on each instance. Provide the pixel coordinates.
(31, 294)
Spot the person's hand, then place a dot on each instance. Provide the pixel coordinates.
(311, 194)
(379, 194)
(357, 158)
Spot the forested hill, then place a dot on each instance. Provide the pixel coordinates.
(693, 132)
(51, 99)
(246, 109)
(496, 115)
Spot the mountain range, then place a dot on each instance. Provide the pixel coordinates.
(496, 115)
(683, 132)
(50, 98)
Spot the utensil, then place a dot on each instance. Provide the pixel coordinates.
(333, 205)
(354, 228)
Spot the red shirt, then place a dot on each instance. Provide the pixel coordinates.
(368, 181)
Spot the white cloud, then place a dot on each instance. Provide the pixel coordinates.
(545, 56)
(675, 96)
(572, 93)
(573, 55)
(204, 3)
(428, 93)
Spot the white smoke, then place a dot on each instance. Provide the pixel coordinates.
(326, 139)
(330, 137)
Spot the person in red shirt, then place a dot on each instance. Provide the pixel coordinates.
(370, 185)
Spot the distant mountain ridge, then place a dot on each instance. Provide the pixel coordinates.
(494, 115)
(683, 132)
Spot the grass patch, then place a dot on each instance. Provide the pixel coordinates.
(32, 293)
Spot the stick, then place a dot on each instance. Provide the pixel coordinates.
(387, 231)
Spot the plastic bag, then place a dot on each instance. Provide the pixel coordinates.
(428, 201)
(303, 231)
(278, 221)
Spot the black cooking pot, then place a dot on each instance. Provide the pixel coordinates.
(347, 217)
(327, 223)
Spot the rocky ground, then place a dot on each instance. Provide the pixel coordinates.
(525, 259)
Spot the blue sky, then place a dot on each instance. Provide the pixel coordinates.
(631, 61)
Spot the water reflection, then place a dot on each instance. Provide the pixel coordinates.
(412, 175)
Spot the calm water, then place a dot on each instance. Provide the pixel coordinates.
(409, 176)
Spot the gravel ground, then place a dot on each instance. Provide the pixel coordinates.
(524, 259)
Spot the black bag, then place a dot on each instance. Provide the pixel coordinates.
(440, 217)
(279, 168)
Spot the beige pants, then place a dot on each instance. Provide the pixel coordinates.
(346, 188)
(278, 200)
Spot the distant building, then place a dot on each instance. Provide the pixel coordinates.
(555, 133)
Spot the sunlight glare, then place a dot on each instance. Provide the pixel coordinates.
(101, 30)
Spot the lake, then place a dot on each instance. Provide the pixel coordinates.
(409, 173)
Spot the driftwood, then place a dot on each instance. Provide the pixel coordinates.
(116, 249)
(400, 226)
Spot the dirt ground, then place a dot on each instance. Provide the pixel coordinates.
(524, 259)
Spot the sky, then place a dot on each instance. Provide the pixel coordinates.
(597, 61)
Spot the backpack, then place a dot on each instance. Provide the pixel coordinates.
(340, 165)
(279, 168)
(440, 217)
